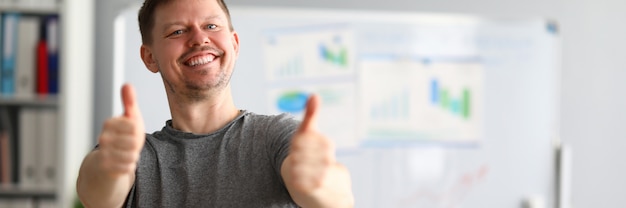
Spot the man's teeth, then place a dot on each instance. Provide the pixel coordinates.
(199, 61)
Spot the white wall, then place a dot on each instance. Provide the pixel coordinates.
(77, 45)
(593, 112)
(594, 71)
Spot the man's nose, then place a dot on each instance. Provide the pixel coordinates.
(198, 37)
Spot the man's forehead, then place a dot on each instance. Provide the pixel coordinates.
(162, 16)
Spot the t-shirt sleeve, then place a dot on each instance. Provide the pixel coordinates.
(281, 129)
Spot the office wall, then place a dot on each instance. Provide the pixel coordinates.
(593, 110)
(593, 74)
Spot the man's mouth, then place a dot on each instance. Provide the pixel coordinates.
(200, 60)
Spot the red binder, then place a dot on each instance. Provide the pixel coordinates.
(42, 68)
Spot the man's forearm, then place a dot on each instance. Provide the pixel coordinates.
(97, 189)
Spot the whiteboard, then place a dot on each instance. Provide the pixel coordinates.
(427, 110)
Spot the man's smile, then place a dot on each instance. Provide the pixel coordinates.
(200, 60)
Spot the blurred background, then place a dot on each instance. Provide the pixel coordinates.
(581, 106)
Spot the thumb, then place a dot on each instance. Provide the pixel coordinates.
(309, 122)
(129, 102)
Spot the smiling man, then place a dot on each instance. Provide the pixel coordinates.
(210, 154)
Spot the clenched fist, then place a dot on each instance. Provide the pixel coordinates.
(108, 173)
(122, 138)
(311, 172)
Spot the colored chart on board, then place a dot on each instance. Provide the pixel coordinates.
(442, 97)
(421, 101)
(298, 53)
(292, 102)
(337, 108)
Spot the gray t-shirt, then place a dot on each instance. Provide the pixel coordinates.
(236, 166)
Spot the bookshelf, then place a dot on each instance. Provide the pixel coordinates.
(27, 192)
(50, 101)
(32, 10)
(71, 106)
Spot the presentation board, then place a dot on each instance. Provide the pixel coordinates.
(426, 110)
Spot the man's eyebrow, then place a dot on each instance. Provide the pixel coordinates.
(213, 17)
(181, 23)
(168, 25)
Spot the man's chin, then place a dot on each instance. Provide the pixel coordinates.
(205, 86)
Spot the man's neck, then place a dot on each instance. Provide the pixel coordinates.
(205, 116)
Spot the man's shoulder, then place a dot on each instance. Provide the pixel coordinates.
(270, 118)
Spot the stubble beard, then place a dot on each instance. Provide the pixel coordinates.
(199, 91)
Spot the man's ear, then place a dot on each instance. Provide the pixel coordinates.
(148, 59)
(236, 42)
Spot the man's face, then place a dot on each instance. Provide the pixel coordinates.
(193, 47)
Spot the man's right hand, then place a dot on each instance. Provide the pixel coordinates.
(108, 173)
(122, 138)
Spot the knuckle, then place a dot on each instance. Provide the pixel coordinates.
(327, 161)
(110, 123)
(103, 140)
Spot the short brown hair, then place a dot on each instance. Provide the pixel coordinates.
(146, 17)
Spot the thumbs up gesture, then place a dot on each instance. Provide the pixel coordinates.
(122, 138)
(311, 172)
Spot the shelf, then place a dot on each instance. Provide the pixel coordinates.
(30, 9)
(10, 191)
(73, 105)
(30, 101)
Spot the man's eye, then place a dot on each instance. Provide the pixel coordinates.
(211, 26)
(177, 32)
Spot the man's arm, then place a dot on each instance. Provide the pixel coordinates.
(108, 173)
(96, 188)
(311, 173)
